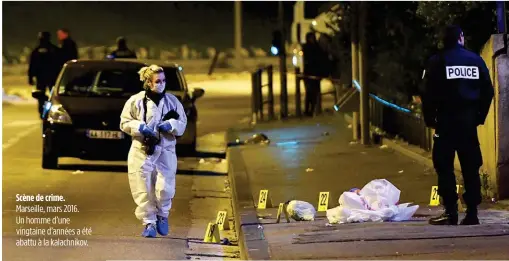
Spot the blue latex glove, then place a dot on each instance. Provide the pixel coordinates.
(146, 131)
(164, 127)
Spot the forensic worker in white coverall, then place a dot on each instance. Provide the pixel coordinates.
(153, 118)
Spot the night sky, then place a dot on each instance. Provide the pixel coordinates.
(158, 24)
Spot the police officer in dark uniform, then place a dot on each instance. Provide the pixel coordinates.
(457, 98)
(314, 70)
(122, 51)
(68, 48)
(43, 66)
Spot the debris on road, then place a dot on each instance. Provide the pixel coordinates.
(309, 170)
(202, 161)
(78, 172)
(258, 138)
(384, 147)
(301, 210)
(226, 242)
(326, 133)
(378, 201)
(354, 142)
(349, 126)
(401, 171)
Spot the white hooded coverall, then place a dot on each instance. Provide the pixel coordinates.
(152, 178)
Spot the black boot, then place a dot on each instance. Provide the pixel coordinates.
(471, 218)
(447, 218)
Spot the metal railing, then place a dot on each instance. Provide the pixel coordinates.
(398, 121)
(409, 126)
(393, 120)
(257, 99)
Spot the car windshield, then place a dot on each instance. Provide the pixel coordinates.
(109, 81)
(172, 79)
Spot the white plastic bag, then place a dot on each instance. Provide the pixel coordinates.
(376, 202)
(380, 193)
(405, 212)
(338, 214)
(352, 200)
(301, 210)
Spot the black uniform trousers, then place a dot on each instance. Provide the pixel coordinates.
(465, 142)
(42, 86)
(313, 95)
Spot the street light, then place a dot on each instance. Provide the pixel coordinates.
(274, 50)
(277, 42)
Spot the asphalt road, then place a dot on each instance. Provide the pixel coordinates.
(102, 196)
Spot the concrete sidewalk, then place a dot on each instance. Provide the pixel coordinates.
(308, 156)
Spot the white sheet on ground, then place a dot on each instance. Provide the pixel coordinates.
(376, 202)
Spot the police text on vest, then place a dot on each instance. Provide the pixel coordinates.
(462, 72)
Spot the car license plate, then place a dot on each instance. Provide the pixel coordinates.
(100, 134)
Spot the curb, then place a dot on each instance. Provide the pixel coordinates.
(252, 243)
(401, 149)
(409, 153)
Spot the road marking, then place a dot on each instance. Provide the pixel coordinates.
(22, 123)
(18, 137)
(245, 120)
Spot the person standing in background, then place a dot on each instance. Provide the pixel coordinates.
(43, 66)
(68, 48)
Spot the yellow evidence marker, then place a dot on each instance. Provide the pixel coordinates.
(264, 200)
(323, 201)
(435, 198)
(212, 234)
(282, 210)
(460, 206)
(222, 220)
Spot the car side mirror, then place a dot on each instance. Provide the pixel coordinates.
(197, 93)
(38, 94)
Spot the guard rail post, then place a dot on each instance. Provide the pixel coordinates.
(254, 99)
(298, 108)
(271, 92)
(259, 92)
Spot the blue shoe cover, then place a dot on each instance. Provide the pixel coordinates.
(162, 225)
(149, 231)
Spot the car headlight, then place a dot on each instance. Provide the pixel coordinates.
(57, 114)
(294, 61)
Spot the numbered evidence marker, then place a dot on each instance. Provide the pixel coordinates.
(282, 209)
(460, 206)
(264, 200)
(222, 220)
(323, 201)
(435, 199)
(212, 234)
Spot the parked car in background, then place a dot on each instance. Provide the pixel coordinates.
(82, 116)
